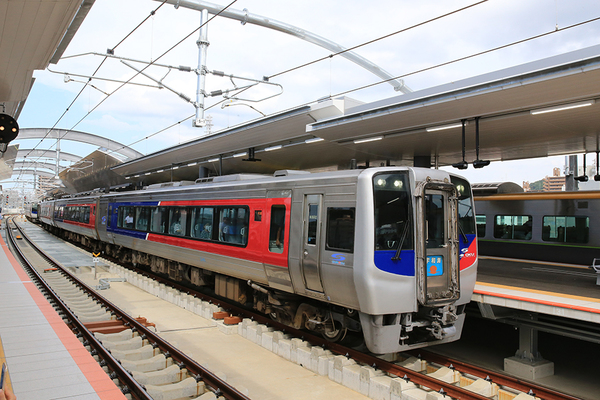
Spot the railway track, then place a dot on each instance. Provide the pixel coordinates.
(416, 375)
(167, 373)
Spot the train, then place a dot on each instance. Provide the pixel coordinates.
(386, 252)
(544, 226)
(31, 212)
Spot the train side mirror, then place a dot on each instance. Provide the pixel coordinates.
(9, 129)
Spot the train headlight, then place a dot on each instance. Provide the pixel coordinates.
(398, 184)
(460, 189)
(380, 182)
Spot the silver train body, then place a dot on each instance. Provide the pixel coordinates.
(551, 226)
(387, 251)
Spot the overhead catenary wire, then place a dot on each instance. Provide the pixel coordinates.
(214, 16)
(150, 64)
(378, 39)
(153, 12)
(136, 74)
(413, 72)
(381, 81)
(281, 73)
(473, 55)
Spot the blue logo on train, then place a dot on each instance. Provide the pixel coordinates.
(338, 259)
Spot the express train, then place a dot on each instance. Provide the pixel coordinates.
(31, 212)
(388, 251)
(552, 226)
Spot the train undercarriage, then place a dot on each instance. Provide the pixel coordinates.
(332, 322)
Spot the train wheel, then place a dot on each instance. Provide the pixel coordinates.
(337, 334)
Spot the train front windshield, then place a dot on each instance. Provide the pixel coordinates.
(392, 212)
(466, 216)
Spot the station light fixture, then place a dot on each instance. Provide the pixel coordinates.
(443, 127)
(240, 154)
(313, 140)
(372, 139)
(562, 107)
(274, 148)
(192, 164)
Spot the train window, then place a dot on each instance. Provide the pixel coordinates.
(313, 218)
(202, 223)
(481, 224)
(434, 205)
(142, 218)
(125, 219)
(158, 219)
(566, 229)
(233, 225)
(177, 221)
(392, 211)
(513, 227)
(465, 205)
(277, 229)
(340, 229)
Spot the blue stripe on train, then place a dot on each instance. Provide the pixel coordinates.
(127, 232)
(405, 266)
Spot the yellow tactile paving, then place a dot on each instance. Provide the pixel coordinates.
(2, 361)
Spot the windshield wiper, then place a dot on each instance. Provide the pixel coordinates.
(396, 256)
(462, 233)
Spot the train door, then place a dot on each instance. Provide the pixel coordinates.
(437, 241)
(311, 242)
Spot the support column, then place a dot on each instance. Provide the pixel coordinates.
(202, 43)
(527, 362)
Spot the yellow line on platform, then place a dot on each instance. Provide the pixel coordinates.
(3, 360)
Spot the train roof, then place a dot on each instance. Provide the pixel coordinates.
(280, 176)
(579, 195)
(487, 189)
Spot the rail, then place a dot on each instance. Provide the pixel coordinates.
(217, 385)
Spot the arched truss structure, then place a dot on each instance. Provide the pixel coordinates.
(31, 154)
(35, 162)
(82, 137)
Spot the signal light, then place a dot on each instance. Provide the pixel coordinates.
(9, 129)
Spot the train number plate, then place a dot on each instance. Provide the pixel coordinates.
(435, 265)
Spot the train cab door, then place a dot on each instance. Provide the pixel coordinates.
(437, 242)
(311, 242)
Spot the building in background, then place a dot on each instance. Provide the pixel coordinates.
(554, 183)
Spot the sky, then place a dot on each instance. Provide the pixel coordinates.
(139, 115)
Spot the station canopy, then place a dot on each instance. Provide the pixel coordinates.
(542, 108)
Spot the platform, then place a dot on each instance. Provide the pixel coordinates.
(250, 368)
(522, 286)
(45, 360)
(560, 290)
